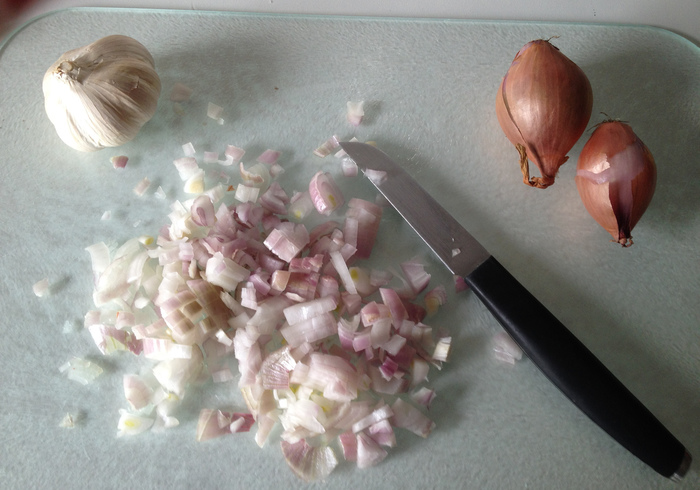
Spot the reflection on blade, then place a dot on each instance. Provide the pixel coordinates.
(454, 245)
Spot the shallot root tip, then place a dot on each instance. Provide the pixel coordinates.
(626, 242)
(537, 182)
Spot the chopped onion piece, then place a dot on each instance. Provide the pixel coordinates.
(269, 157)
(287, 240)
(186, 167)
(300, 206)
(141, 188)
(378, 177)
(442, 349)
(369, 453)
(356, 112)
(349, 167)
(188, 149)
(81, 370)
(304, 311)
(41, 288)
(505, 349)
(348, 443)
(119, 161)
(214, 112)
(325, 193)
(343, 271)
(435, 298)
(195, 183)
(131, 424)
(69, 421)
(409, 417)
(327, 147)
(137, 392)
(314, 329)
(423, 396)
(384, 412)
(216, 423)
(307, 462)
(211, 157)
(180, 92)
(234, 153)
(415, 275)
(245, 193)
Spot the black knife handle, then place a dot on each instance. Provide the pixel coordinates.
(576, 371)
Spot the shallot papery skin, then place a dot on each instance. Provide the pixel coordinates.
(543, 105)
(616, 179)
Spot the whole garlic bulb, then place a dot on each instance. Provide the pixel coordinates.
(101, 95)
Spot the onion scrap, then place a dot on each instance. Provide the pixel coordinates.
(326, 349)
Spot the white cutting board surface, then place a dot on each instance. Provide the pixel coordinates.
(429, 88)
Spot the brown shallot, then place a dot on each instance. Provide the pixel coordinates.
(543, 105)
(616, 178)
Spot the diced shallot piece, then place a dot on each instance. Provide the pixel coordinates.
(269, 157)
(287, 240)
(131, 424)
(234, 153)
(369, 453)
(415, 275)
(137, 392)
(356, 112)
(505, 349)
(435, 298)
(214, 112)
(119, 161)
(203, 211)
(327, 147)
(180, 92)
(141, 188)
(309, 309)
(409, 417)
(325, 193)
(81, 370)
(41, 288)
(307, 462)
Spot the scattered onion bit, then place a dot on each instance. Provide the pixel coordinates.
(141, 188)
(68, 421)
(356, 112)
(180, 92)
(505, 349)
(119, 161)
(81, 370)
(188, 149)
(435, 298)
(41, 288)
(214, 112)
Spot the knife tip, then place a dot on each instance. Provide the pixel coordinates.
(683, 467)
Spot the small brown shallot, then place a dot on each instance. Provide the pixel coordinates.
(543, 106)
(616, 178)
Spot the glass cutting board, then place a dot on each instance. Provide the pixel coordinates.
(429, 88)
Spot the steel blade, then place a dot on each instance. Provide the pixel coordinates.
(453, 245)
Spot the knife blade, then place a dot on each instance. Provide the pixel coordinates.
(568, 364)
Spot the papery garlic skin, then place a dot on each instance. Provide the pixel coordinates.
(616, 179)
(101, 95)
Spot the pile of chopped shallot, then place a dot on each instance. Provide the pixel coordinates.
(332, 356)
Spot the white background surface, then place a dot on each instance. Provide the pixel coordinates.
(680, 16)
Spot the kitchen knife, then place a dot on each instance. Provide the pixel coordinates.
(546, 341)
